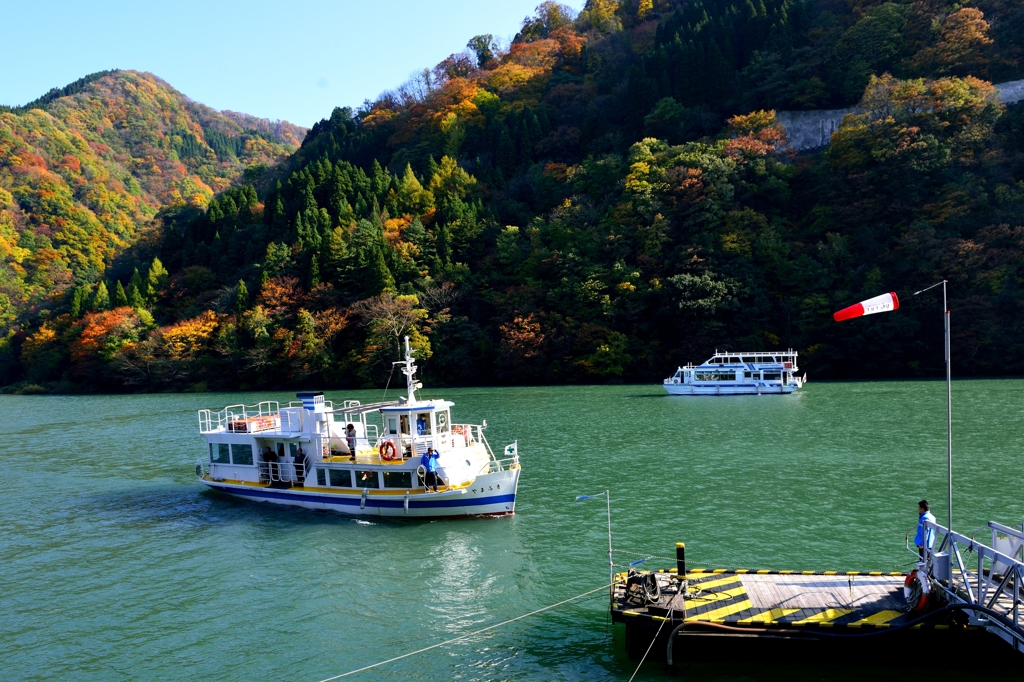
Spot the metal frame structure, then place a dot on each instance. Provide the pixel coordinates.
(996, 582)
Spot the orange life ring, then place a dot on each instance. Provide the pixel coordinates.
(917, 599)
(387, 450)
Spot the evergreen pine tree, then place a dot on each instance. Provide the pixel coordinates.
(241, 298)
(101, 301)
(543, 120)
(156, 280)
(314, 271)
(120, 299)
(135, 299)
(136, 280)
(78, 301)
(506, 152)
(379, 277)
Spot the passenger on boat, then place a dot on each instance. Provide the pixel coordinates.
(350, 436)
(269, 455)
(300, 465)
(429, 462)
(923, 536)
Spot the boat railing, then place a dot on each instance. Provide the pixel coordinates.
(282, 472)
(264, 416)
(328, 404)
(502, 464)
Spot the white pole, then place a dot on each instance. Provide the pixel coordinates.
(949, 406)
(949, 416)
(611, 565)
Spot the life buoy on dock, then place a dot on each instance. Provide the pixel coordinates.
(387, 451)
(917, 591)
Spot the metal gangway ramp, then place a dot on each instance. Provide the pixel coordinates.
(988, 585)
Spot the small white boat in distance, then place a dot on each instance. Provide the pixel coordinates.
(728, 373)
(305, 454)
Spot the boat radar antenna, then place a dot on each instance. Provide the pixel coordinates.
(409, 370)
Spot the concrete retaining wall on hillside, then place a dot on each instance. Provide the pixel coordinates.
(813, 129)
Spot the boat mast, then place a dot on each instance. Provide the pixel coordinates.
(409, 370)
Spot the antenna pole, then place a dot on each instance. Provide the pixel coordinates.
(949, 415)
(410, 372)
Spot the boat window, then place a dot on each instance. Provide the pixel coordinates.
(280, 451)
(720, 375)
(734, 361)
(423, 424)
(340, 478)
(397, 479)
(367, 479)
(404, 422)
(392, 425)
(772, 376)
(442, 421)
(321, 477)
(241, 454)
(748, 358)
(219, 453)
(751, 375)
(293, 448)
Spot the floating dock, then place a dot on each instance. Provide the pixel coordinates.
(809, 616)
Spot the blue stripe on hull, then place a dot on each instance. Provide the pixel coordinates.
(414, 503)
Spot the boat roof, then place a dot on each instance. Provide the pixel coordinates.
(363, 409)
(417, 406)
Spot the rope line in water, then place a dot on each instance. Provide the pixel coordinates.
(467, 635)
(651, 646)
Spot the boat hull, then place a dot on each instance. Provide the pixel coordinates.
(740, 389)
(492, 494)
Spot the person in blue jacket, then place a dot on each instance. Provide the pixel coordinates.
(924, 537)
(429, 462)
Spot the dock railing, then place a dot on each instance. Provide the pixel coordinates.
(992, 579)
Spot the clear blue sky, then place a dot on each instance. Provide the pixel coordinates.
(289, 60)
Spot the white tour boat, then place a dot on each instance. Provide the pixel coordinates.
(728, 373)
(305, 454)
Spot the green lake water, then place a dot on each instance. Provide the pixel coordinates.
(117, 564)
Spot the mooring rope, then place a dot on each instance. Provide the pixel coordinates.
(467, 635)
(651, 646)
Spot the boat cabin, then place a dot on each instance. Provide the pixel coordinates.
(764, 368)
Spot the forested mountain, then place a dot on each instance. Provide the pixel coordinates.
(84, 168)
(607, 196)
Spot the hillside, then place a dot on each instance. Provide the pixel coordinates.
(609, 196)
(84, 168)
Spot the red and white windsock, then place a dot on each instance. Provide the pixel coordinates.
(878, 304)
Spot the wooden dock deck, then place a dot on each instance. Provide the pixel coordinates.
(770, 598)
(775, 615)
